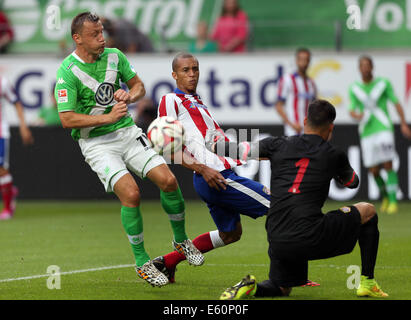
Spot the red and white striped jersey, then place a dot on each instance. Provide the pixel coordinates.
(6, 92)
(296, 92)
(196, 119)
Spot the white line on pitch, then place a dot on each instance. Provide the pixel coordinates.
(331, 266)
(69, 272)
(115, 267)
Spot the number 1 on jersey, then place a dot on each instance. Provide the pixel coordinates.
(302, 164)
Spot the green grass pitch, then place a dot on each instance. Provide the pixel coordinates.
(83, 237)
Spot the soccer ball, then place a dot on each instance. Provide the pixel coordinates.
(166, 135)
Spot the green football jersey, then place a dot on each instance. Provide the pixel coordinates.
(88, 88)
(371, 99)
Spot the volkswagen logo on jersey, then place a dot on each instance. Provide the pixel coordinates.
(105, 93)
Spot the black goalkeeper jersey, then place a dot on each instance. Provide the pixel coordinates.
(301, 170)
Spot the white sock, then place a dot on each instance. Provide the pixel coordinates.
(6, 179)
(216, 240)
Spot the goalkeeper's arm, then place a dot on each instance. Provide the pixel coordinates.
(345, 173)
(348, 177)
(240, 151)
(216, 142)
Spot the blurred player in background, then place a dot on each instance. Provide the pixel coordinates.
(6, 32)
(8, 190)
(231, 29)
(92, 103)
(368, 105)
(227, 195)
(202, 44)
(295, 91)
(48, 115)
(297, 230)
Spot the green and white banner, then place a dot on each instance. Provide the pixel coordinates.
(43, 25)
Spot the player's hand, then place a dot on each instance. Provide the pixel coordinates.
(213, 178)
(357, 116)
(121, 95)
(118, 111)
(26, 135)
(405, 130)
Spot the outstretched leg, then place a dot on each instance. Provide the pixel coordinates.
(205, 242)
(173, 204)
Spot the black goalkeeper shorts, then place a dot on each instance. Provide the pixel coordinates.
(335, 235)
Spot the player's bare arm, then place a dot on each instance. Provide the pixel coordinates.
(405, 129)
(25, 132)
(279, 106)
(73, 120)
(136, 91)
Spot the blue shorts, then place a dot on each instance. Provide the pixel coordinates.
(242, 196)
(4, 153)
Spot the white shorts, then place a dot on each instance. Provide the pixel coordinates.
(113, 154)
(378, 148)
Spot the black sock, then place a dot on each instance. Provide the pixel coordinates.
(268, 288)
(368, 241)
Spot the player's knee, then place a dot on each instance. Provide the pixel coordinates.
(131, 198)
(367, 211)
(168, 183)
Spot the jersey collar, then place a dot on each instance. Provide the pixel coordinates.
(178, 91)
(74, 54)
